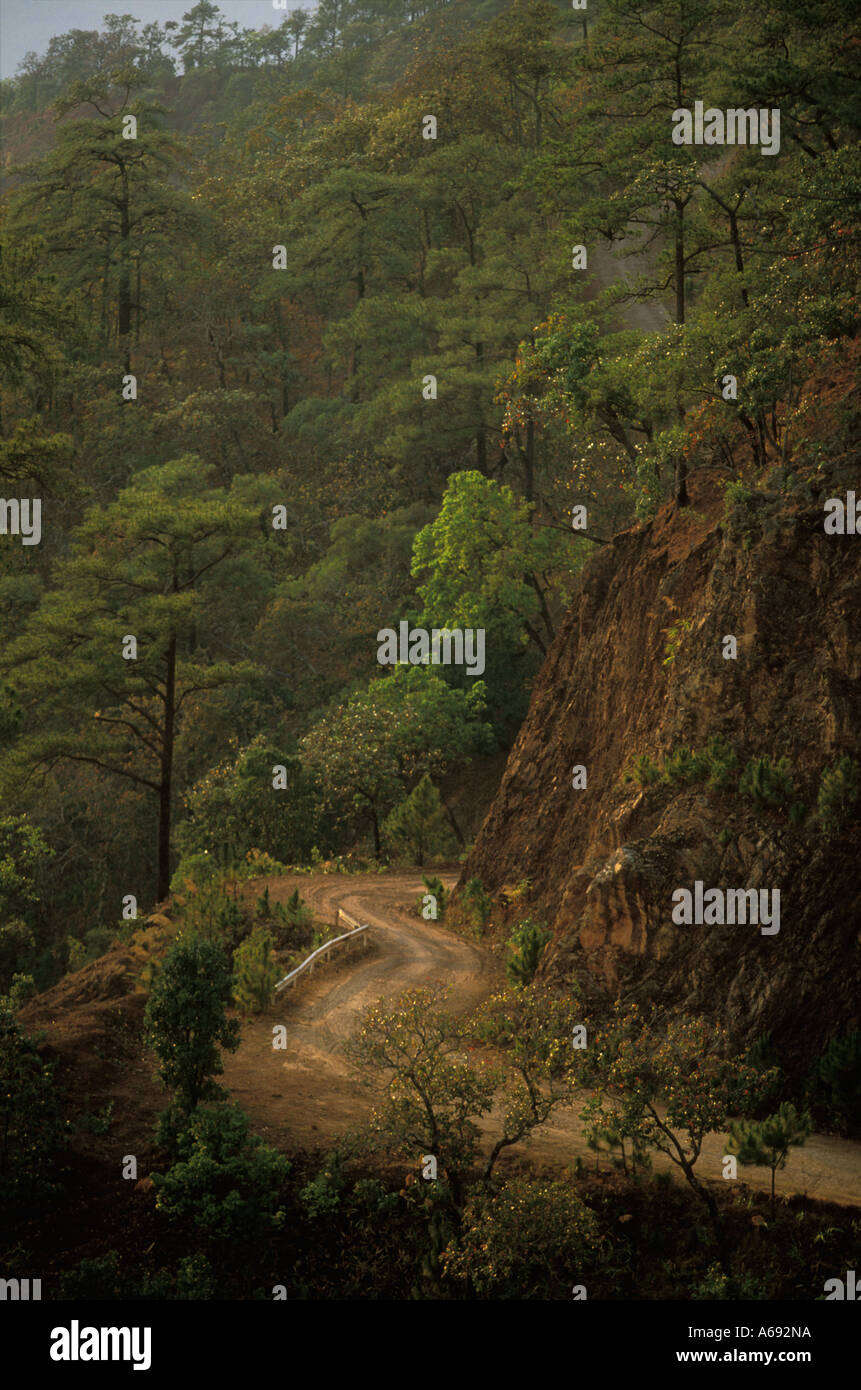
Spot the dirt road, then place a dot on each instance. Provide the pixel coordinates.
(305, 1096)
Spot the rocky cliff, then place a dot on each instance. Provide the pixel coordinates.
(638, 667)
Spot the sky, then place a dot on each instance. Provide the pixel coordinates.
(30, 24)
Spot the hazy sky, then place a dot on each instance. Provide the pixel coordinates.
(26, 24)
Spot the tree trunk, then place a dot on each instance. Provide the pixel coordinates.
(124, 300)
(680, 262)
(165, 789)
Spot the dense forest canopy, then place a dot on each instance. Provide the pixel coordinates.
(287, 362)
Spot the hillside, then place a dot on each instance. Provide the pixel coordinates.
(604, 861)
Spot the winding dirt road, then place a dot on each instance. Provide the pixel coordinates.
(305, 1096)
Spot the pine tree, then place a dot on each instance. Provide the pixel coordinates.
(256, 972)
(419, 826)
(766, 1143)
(140, 567)
(106, 204)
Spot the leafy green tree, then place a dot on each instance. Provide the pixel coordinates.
(256, 972)
(676, 1084)
(235, 807)
(412, 1051)
(140, 567)
(31, 1128)
(187, 1023)
(226, 1185)
(486, 565)
(419, 826)
(23, 855)
(766, 1143)
(533, 1028)
(386, 737)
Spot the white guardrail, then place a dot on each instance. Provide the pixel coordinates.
(357, 930)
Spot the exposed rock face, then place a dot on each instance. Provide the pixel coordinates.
(605, 861)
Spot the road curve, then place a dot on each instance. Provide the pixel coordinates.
(305, 1097)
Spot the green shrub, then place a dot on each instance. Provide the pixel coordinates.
(645, 771)
(226, 1183)
(32, 1130)
(97, 1121)
(256, 972)
(321, 1197)
(767, 783)
(684, 765)
(834, 1083)
(96, 1278)
(437, 888)
(524, 1240)
(479, 903)
(209, 913)
(839, 792)
(526, 944)
(295, 911)
(22, 988)
(195, 1279)
(720, 764)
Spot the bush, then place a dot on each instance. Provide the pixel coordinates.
(479, 904)
(720, 763)
(533, 1239)
(22, 988)
(645, 770)
(210, 914)
(296, 913)
(97, 1278)
(684, 765)
(834, 1083)
(767, 783)
(438, 889)
(526, 945)
(839, 792)
(31, 1128)
(675, 637)
(234, 808)
(256, 972)
(226, 1183)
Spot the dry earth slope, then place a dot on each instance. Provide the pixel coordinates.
(604, 861)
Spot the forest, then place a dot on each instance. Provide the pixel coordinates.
(391, 315)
